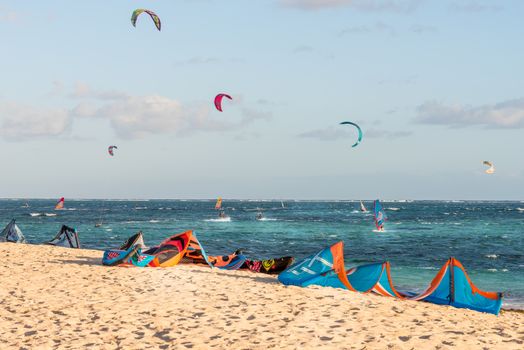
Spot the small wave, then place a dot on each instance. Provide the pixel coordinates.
(492, 270)
(140, 208)
(491, 256)
(50, 214)
(109, 229)
(267, 219)
(228, 219)
(35, 214)
(520, 209)
(394, 208)
(154, 221)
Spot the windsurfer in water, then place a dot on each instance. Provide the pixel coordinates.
(221, 214)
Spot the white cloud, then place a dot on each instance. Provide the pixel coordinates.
(199, 60)
(327, 134)
(333, 134)
(506, 114)
(7, 15)
(475, 6)
(422, 29)
(379, 133)
(21, 122)
(140, 116)
(303, 49)
(378, 27)
(84, 91)
(129, 116)
(402, 6)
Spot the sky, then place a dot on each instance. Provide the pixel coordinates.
(436, 86)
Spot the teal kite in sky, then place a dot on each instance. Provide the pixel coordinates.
(359, 132)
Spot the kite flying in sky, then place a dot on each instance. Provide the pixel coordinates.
(153, 15)
(359, 132)
(218, 100)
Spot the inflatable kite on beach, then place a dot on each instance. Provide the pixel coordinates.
(130, 257)
(170, 251)
(66, 237)
(12, 233)
(451, 286)
(359, 132)
(491, 168)
(195, 254)
(153, 16)
(129, 253)
(218, 100)
(269, 266)
(110, 150)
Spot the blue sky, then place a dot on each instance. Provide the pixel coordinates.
(437, 87)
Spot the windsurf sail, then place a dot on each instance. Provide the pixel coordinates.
(60, 204)
(362, 207)
(282, 203)
(379, 215)
(218, 204)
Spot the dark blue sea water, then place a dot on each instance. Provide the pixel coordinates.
(487, 237)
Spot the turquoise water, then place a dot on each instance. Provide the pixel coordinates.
(487, 237)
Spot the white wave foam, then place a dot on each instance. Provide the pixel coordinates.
(266, 219)
(393, 208)
(226, 219)
(491, 256)
(35, 214)
(154, 221)
(50, 214)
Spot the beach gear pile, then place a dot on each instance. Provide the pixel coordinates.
(451, 285)
(185, 248)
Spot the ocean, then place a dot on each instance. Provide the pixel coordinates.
(487, 237)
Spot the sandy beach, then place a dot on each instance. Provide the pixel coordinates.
(63, 298)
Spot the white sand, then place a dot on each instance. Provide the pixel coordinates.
(63, 298)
